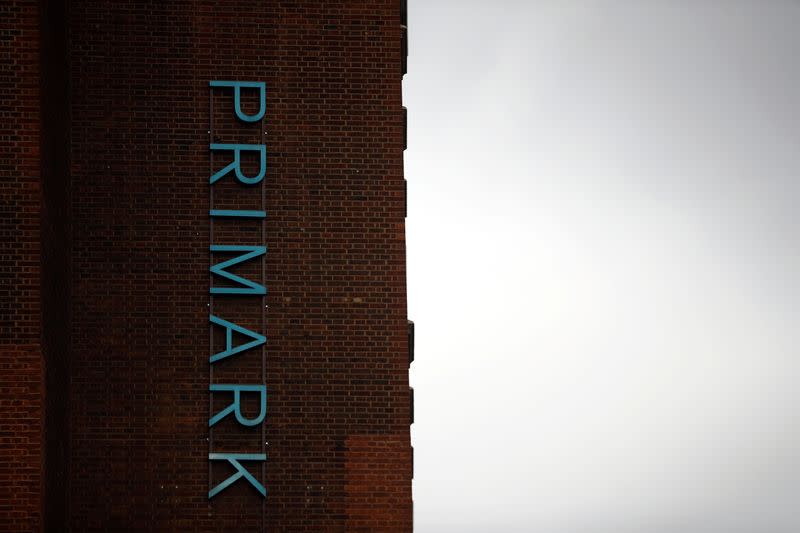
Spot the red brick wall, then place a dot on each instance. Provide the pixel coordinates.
(377, 468)
(21, 367)
(337, 365)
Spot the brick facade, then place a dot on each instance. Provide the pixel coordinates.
(21, 358)
(123, 215)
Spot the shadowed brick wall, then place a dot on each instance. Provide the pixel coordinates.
(21, 361)
(55, 260)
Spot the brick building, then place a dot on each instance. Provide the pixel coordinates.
(111, 228)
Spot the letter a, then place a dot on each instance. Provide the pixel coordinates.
(230, 350)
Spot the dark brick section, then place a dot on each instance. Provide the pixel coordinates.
(21, 364)
(55, 259)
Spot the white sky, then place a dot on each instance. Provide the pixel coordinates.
(603, 265)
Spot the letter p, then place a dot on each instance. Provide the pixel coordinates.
(237, 97)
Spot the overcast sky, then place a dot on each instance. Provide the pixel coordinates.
(603, 265)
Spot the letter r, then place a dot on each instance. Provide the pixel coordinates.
(236, 408)
(235, 166)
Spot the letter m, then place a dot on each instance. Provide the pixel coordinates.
(246, 286)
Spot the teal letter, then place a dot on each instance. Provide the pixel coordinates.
(233, 459)
(237, 213)
(237, 97)
(230, 327)
(250, 287)
(235, 407)
(237, 149)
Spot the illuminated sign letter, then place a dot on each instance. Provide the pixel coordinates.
(237, 213)
(237, 97)
(230, 327)
(250, 287)
(237, 150)
(233, 459)
(235, 407)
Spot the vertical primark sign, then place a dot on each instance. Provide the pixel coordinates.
(240, 342)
